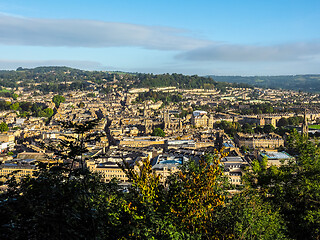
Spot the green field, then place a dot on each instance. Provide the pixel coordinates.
(314, 126)
(4, 90)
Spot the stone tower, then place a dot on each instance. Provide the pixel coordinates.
(210, 121)
(180, 124)
(145, 113)
(166, 120)
(148, 126)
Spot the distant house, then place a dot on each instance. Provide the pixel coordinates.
(7, 142)
(108, 171)
(164, 164)
(253, 141)
(201, 119)
(234, 168)
(18, 170)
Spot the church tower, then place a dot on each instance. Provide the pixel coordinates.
(210, 121)
(180, 124)
(166, 119)
(148, 126)
(145, 113)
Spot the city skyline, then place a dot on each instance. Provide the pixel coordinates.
(203, 37)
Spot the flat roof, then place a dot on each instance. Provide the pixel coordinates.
(233, 159)
(276, 155)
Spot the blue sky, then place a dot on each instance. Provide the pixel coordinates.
(229, 37)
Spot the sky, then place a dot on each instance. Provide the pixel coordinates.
(203, 37)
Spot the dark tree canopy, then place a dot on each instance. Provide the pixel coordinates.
(158, 132)
(3, 127)
(57, 99)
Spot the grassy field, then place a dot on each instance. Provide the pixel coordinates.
(314, 126)
(4, 90)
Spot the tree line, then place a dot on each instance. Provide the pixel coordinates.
(27, 108)
(61, 79)
(165, 97)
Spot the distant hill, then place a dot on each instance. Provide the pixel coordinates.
(307, 83)
(60, 79)
(54, 79)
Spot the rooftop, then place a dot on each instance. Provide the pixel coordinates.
(276, 155)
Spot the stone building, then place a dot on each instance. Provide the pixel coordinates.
(18, 170)
(108, 171)
(253, 141)
(234, 168)
(201, 119)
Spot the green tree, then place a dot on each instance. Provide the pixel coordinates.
(195, 193)
(3, 127)
(57, 99)
(268, 128)
(15, 96)
(158, 132)
(283, 122)
(48, 112)
(293, 188)
(14, 106)
(230, 128)
(246, 215)
(92, 95)
(62, 201)
(182, 210)
(247, 128)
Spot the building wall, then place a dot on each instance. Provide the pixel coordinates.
(20, 171)
(108, 172)
(258, 141)
(165, 172)
(137, 143)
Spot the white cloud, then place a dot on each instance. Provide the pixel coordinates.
(253, 53)
(86, 65)
(94, 34)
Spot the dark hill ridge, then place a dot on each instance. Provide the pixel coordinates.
(307, 83)
(53, 78)
(59, 79)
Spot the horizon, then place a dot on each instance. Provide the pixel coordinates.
(232, 38)
(210, 75)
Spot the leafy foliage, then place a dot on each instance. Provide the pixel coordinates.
(158, 132)
(230, 128)
(195, 192)
(57, 99)
(293, 187)
(3, 127)
(248, 216)
(61, 79)
(166, 98)
(258, 109)
(182, 81)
